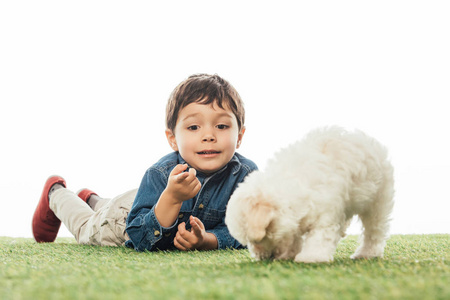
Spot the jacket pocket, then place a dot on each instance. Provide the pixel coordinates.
(212, 217)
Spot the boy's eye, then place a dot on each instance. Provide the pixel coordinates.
(222, 126)
(193, 127)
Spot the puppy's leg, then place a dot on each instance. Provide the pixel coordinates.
(288, 249)
(319, 245)
(375, 221)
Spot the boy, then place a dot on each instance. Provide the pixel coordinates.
(182, 199)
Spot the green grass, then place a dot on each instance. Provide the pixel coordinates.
(414, 267)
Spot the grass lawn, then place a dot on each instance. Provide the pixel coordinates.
(414, 267)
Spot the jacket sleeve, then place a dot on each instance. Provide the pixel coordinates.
(224, 238)
(143, 227)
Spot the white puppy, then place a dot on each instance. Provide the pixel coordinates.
(301, 206)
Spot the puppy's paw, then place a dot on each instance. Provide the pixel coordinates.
(313, 258)
(366, 255)
(284, 254)
(368, 251)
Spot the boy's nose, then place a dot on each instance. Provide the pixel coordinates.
(209, 138)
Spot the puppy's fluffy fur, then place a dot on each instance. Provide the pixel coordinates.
(301, 206)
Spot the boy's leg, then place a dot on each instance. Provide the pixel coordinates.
(45, 224)
(113, 217)
(72, 211)
(96, 202)
(104, 227)
(92, 199)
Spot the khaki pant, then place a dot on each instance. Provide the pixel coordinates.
(105, 226)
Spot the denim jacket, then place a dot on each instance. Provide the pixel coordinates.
(209, 205)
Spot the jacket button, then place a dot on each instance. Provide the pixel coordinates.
(201, 206)
(180, 216)
(157, 233)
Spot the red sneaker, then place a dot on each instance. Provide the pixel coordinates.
(84, 194)
(45, 224)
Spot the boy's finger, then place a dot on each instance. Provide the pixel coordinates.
(179, 169)
(192, 176)
(181, 227)
(182, 241)
(193, 172)
(197, 226)
(195, 186)
(182, 232)
(196, 229)
(200, 223)
(178, 245)
(181, 177)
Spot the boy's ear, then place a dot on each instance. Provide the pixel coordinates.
(171, 139)
(240, 135)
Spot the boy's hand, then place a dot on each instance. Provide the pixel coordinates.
(183, 185)
(190, 240)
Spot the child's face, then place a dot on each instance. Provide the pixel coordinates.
(206, 136)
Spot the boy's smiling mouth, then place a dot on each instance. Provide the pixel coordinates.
(208, 152)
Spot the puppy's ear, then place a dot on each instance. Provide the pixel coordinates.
(258, 221)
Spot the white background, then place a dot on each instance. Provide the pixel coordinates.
(83, 87)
